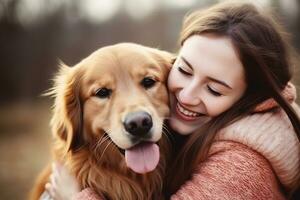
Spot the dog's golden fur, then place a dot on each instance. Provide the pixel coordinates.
(88, 130)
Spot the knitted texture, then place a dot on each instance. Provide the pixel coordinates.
(232, 172)
(271, 134)
(87, 194)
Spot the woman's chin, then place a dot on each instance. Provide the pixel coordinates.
(187, 127)
(180, 128)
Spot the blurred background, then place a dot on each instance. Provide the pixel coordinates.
(35, 34)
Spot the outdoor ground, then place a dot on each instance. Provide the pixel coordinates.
(24, 146)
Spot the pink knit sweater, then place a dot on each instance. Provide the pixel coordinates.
(251, 159)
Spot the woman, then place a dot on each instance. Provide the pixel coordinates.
(230, 95)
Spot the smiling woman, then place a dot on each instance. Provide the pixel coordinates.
(201, 91)
(240, 46)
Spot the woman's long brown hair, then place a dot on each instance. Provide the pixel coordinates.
(265, 55)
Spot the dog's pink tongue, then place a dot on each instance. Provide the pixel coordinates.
(143, 157)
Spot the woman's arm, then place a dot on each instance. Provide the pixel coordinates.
(232, 171)
(64, 186)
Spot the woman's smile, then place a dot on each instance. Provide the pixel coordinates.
(186, 114)
(184, 119)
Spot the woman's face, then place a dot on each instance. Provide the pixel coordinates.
(206, 79)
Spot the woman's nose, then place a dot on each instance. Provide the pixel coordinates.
(189, 96)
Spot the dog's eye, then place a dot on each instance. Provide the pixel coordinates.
(148, 82)
(103, 93)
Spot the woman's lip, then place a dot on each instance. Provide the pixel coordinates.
(179, 104)
(185, 117)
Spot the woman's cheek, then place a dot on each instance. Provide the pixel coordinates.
(173, 76)
(218, 106)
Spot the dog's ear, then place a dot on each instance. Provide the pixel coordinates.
(164, 58)
(67, 120)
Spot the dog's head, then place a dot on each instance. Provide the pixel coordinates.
(116, 94)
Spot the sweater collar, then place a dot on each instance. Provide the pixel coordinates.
(289, 93)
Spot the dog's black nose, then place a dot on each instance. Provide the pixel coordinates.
(138, 123)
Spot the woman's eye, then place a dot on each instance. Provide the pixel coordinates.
(103, 93)
(213, 92)
(148, 82)
(183, 71)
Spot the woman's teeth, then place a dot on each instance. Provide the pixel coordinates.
(187, 112)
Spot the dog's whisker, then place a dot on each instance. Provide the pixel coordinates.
(98, 144)
(110, 142)
(168, 136)
(167, 132)
(104, 139)
(165, 127)
(99, 140)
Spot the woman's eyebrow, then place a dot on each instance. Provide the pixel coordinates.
(210, 78)
(220, 82)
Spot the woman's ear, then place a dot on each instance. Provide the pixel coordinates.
(67, 120)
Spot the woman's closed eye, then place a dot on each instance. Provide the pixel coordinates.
(181, 70)
(213, 91)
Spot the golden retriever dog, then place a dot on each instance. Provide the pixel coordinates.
(108, 122)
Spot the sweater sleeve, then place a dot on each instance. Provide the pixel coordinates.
(232, 171)
(87, 194)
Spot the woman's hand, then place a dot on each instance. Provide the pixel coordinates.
(63, 185)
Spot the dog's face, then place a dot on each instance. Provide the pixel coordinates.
(118, 91)
(124, 94)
